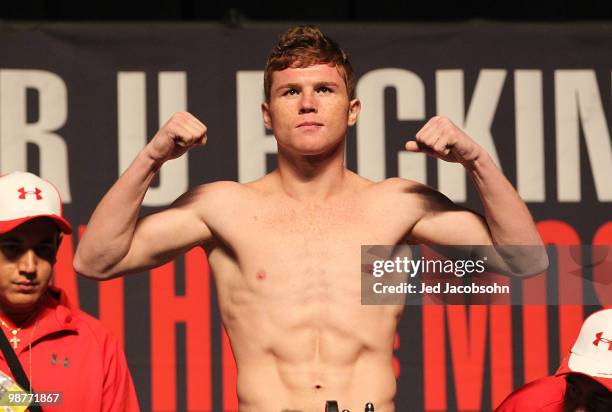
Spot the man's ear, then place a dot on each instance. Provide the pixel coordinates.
(265, 112)
(354, 109)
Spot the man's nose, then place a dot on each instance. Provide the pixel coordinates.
(28, 262)
(308, 103)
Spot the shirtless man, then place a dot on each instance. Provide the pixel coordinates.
(285, 249)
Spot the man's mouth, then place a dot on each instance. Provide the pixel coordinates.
(26, 286)
(310, 124)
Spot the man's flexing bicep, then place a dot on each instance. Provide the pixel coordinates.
(156, 238)
(443, 222)
(162, 236)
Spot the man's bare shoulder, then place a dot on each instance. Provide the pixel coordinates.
(266, 184)
(399, 185)
(409, 193)
(220, 194)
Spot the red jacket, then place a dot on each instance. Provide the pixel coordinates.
(72, 353)
(542, 395)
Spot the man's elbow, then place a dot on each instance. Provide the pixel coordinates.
(533, 263)
(83, 267)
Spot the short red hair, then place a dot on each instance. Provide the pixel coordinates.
(303, 46)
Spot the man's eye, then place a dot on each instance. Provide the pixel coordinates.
(324, 89)
(290, 92)
(46, 251)
(11, 250)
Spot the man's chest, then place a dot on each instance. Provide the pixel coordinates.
(307, 249)
(314, 232)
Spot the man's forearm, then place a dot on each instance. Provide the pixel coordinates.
(506, 214)
(111, 228)
(110, 234)
(507, 218)
(511, 226)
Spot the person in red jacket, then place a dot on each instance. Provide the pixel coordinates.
(582, 383)
(71, 362)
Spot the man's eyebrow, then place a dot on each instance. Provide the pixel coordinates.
(298, 86)
(288, 86)
(324, 83)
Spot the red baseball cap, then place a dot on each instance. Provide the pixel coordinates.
(25, 196)
(592, 352)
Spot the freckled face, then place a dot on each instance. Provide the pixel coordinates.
(309, 110)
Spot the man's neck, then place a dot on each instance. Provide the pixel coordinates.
(20, 318)
(314, 177)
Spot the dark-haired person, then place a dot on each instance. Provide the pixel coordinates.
(285, 249)
(68, 358)
(583, 382)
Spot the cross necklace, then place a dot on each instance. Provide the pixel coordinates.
(14, 339)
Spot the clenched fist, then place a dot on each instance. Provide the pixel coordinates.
(182, 132)
(442, 139)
